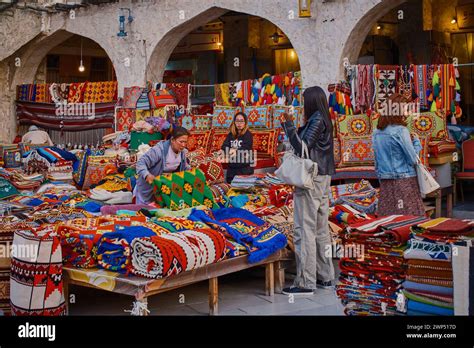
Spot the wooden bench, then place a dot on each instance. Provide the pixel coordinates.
(142, 288)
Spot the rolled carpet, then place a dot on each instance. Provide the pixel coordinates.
(113, 251)
(170, 254)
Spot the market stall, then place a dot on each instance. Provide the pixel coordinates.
(75, 207)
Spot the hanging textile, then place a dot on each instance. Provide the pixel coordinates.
(387, 83)
(180, 92)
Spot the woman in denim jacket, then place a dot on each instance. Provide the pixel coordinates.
(396, 155)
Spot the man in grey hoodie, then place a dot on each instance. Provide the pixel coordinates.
(165, 157)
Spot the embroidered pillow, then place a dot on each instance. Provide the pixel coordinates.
(196, 122)
(217, 140)
(199, 140)
(125, 119)
(265, 142)
(259, 116)
(130, 96)
(278, 112)
(213, 171)
(357, 151)
(429, 123)
(195, 157)
(223, 116)
(183, 190)
(353, 125)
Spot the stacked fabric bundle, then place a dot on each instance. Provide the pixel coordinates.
(26, 182)
(372, 275)
(429, 289)
(244, 181)
(360, 196)
(368, 285)
(445, 230)
(169, 254)
(259, 237)
(61, 171)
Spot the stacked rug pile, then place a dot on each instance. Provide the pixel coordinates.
(429, 286)
(372, 265)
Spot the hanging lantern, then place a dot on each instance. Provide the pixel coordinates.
(122, 32)
(304, 7)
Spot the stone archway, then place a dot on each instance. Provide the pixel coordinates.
(362, 28)
(21, 67)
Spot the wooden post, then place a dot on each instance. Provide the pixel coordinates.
(269, 280)
(66, 290)
(213, 296)
(279, 277)
(439, 198)
(449, 203)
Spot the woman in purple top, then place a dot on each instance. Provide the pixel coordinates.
(165, 157)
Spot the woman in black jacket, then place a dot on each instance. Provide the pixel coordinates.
(311, 207)
(237, 148)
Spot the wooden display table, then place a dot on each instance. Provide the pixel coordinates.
(438, 196)
(141, 288)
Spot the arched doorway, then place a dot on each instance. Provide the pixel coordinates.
(221, 46)
(64, 59)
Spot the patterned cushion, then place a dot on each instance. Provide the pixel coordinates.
(259, 116)
(130, 96)
(125, 119)
(196, 122)
(357, 151)
(353, 125)
(223, 116)
(160, 98)
(213, 171)
(141, 115)
(199, 140)
(195, 157)
(217, 140)
(265, 142)
(98, 167)
(183, 190)
(429, 123)
(337, 151)
(278, 112)
(76, 92)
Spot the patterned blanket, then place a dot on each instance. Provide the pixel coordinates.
(169, 254)
(259, 237)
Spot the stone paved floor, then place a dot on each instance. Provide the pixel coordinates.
(239, 294)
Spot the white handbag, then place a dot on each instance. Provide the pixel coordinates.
(298, 171)
(426, 181)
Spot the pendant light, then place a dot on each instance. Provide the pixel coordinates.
(81, 65)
